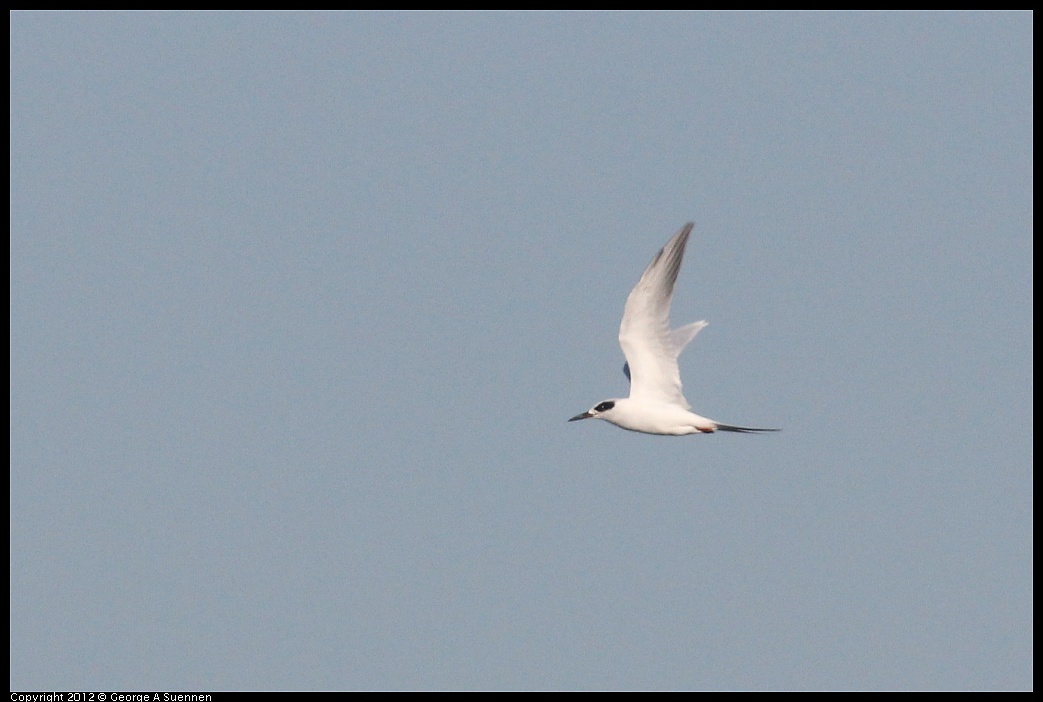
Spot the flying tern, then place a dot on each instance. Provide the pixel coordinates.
(656, 404)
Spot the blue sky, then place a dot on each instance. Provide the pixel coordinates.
(300, 304)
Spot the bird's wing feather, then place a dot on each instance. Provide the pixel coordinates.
(650, 347)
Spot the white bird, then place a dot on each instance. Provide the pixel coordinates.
(656, 404)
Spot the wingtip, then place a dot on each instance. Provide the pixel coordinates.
(685, 230)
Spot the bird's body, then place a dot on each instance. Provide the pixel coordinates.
(657, 404)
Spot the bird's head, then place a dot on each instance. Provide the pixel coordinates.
(598, 411)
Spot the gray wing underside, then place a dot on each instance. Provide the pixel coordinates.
(650, 346)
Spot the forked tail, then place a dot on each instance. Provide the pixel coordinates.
(742, 430)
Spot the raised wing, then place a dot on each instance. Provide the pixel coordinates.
(650, 347)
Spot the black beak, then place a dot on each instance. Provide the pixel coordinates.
(585, 415)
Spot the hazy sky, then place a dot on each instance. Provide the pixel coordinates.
(300, 304)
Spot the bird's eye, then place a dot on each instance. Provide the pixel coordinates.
(605, 406)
